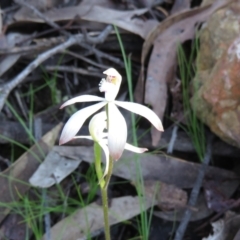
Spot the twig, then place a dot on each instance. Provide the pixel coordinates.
(102, 54)
(86, 59)
(21, 104)
(73, 69)
(75, 76)
(195, 191)
(32, 48)
(48, 31)
(67, 84)
(103, 35)
(172, 140)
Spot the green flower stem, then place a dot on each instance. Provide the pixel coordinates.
(109, 174)
(103, 185)
(105, 200)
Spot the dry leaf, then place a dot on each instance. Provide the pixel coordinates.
(10, 41)
(215, 200)
(90, 218)
(226, 228)
(167, 196)
(218, 229)
(232, 223)
(42, 4)
(104, 3)
(200, 211)
(14, 180)
(124, 19)
(53, 170)
(180, 5)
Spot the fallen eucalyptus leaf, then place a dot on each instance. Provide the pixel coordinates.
(166, 196)
(124, 19)
(90, 218)
(53, 170)
(11, 40)
(218, 230)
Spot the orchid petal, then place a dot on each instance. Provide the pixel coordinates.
(76, 121)
(130, 147)
(135, 149)
(106, 151)
(143, 111)
(117, 131)
(83, 98)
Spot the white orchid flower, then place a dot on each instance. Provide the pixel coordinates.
(117, 128)
(96, 128)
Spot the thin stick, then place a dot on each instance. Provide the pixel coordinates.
(86, 59)
(92, 40)
(102, 54)
(172, 140)
(72, 69)
(195, 191)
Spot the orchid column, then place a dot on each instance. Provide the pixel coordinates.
(113, 142)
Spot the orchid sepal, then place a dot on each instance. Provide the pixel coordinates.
(143, 111)
(83, 98)
(76, 121)
(117, 131)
